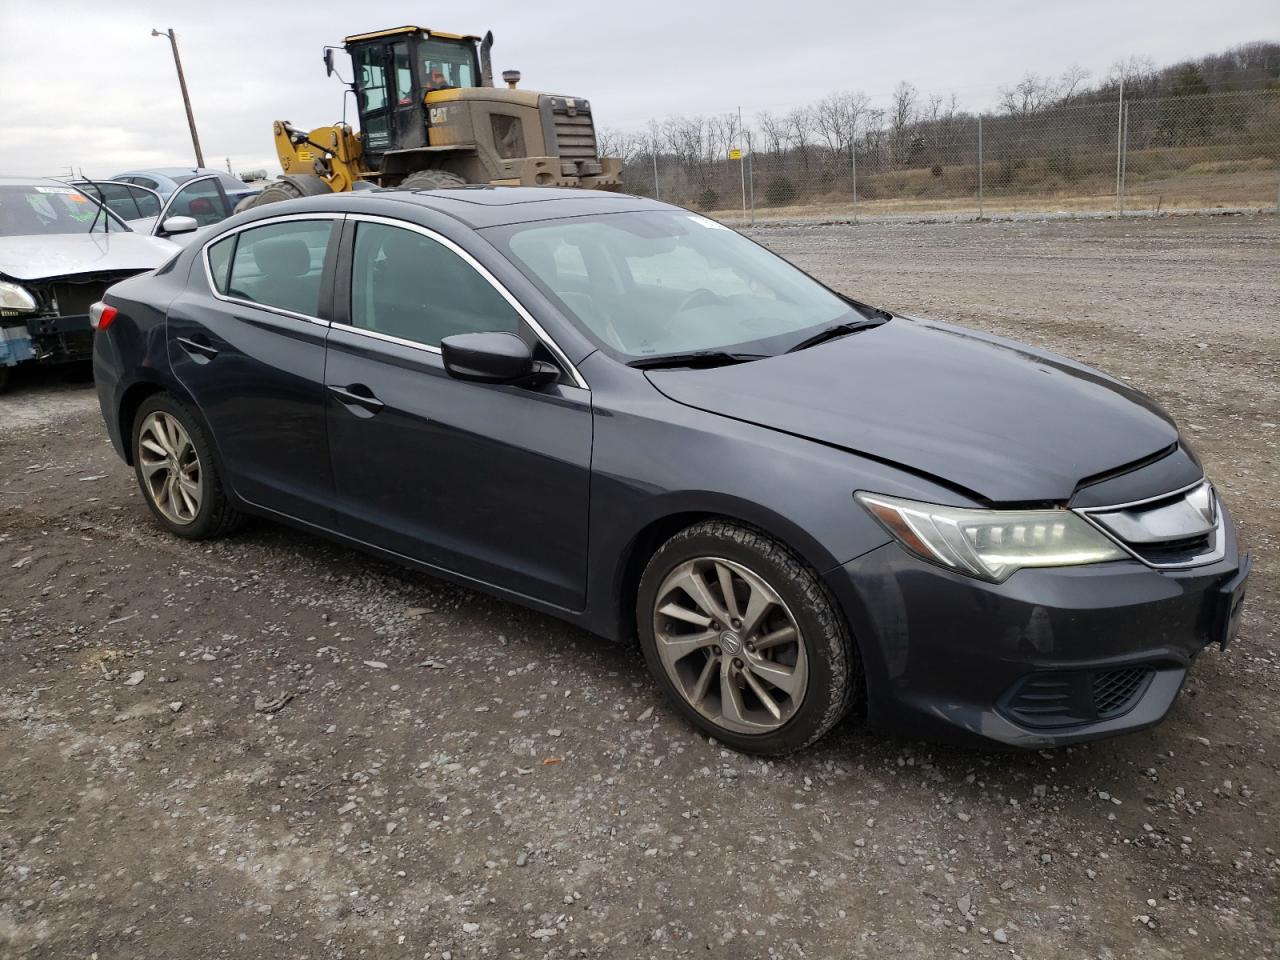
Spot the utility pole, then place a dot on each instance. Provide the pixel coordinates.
(186, 99)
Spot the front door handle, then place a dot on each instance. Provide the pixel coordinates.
(357, 395)
(198, 348)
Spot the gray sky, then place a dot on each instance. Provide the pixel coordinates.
(85, 84)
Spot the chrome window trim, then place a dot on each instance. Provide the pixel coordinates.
(387, 338)
(493, 281)
(268, 221)
(1219, 529)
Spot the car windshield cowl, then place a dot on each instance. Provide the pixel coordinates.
(696, 358)
(838, 330)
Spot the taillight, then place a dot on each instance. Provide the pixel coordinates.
(101, 315)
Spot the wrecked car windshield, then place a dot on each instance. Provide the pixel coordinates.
(650, 284)
(36, 209)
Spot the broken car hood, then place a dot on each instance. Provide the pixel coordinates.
(46, 256)
(1004, 421)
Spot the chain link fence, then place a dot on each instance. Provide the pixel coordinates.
(845, 161)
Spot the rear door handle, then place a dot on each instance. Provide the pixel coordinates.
(357, 395)
(198, 347)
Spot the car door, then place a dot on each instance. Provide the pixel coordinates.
(202, 199)
(246, 339)
(487, 481)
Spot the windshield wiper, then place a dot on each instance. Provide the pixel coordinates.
(836, 330)
(97, 213)
(698, 358)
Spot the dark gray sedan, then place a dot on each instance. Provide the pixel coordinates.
(626, 415)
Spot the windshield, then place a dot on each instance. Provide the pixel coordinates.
(35, 209)
(655, 283)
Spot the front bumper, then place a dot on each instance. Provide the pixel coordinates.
(949, 655)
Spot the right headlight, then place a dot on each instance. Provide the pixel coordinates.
(15, 300)
(991, 544)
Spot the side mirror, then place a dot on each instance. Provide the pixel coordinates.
(328, 62)
(494, 358)
(179, 225)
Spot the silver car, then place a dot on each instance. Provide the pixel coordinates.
(59, 251)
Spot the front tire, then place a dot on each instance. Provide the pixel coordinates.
(176, 472)
(741, 634)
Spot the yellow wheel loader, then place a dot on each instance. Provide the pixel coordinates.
(430, 116)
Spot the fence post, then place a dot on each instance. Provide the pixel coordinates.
(742, 163)
(1124, 155)
(657, 194)
(853, 163)
(1119, 138)
(980, 166)
(751, 176)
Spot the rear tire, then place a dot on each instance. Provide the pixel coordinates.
(297, 185)
(771, 681)
(431, 180)
(176, 471)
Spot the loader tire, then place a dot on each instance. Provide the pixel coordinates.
(291, 188)
(431, 180)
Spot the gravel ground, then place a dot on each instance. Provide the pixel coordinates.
(269, 746)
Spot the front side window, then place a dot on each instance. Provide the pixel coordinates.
(278, 265)
(201, 200)
(406, 285)
(654, 283)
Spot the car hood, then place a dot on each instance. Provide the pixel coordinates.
(46, 256)
(1001, 420)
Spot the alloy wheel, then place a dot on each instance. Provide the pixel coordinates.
(730, 645)
(170, 467)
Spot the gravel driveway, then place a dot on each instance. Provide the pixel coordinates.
(270, 746)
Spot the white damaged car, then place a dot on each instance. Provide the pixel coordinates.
(59, 251)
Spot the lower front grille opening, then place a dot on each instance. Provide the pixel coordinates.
(1116, 691)
(1072, 698)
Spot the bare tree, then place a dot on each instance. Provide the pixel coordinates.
(837, 117)
(773, 130)
(1034, 94)
(943, 124)
(800, 132)
(902, 122)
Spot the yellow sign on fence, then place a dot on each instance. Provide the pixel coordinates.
(735, 154)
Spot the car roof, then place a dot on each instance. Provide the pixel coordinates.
(480, 206)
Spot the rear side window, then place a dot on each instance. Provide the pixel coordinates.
(279, 265)
(406, 285)
(220, 263)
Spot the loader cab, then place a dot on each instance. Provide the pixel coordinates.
(394, 71)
